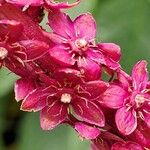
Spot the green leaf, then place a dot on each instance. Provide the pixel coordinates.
(32, 136)
(126, 23)
(7, 80)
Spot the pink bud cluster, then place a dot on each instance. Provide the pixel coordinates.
(61, 75)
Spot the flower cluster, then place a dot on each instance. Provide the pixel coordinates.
(61, 75)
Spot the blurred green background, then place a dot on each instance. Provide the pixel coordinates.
(125, 22)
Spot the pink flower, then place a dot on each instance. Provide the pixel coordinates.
(56, 98)
(131, 97)
(75, 45)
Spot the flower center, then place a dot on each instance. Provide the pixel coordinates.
(65, 98)
(81, 43)
(139, 99)
(3, 53)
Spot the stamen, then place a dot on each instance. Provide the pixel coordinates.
(65, 98)
(3, 53)
(81, 43)
(139, 99)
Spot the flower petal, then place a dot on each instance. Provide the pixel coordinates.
(61, 56)
(85, 27)
(87, 132)
(111, 49)
(26, 2)
(126, 146)
(22, 88)
(88, 111)
(141, 134)
(35, 100)
(89, 68)
(55, 38)
(2, 2)
(114, 97)
(126, 120)
(11, 28)
(61, 24)
(92, 89)
(11, 12)
(146, 115)
(140, 75)
(67, 75)
(34, 48)
(124, 79)
(100, 144)
(111, 64)
(60, 5)
(96, 56)
(52, 115)
(35, 13)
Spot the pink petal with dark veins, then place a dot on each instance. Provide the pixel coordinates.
(61, 56)
(140, 75)
(85, 27)
(53, 115)
(126, 120)
(114, 97)
(22, 88)
(87, 132)
(88, 111)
